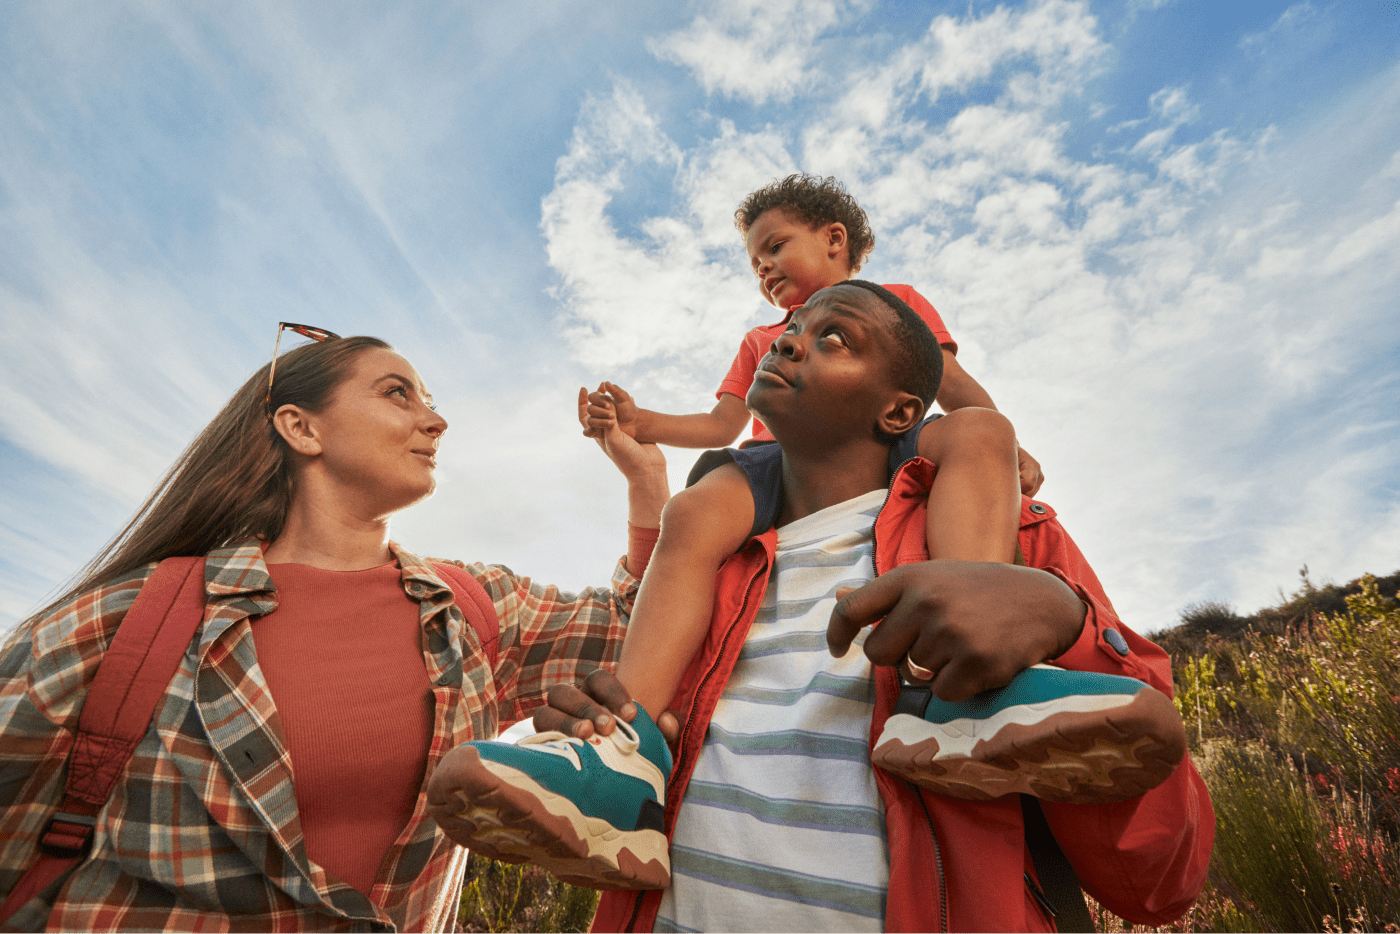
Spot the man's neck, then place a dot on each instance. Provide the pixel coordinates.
(816, 478)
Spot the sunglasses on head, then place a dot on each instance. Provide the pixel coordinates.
(305, 330)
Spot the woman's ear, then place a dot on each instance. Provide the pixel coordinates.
(904, 412)
(295, 426)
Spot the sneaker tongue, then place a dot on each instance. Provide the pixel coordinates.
(624, 737)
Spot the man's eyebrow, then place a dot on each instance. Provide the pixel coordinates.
(840, 310)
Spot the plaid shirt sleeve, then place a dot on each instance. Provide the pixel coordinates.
(549, 636)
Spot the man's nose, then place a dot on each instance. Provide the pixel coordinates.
(788, 345)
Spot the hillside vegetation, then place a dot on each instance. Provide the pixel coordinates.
(1293, 715)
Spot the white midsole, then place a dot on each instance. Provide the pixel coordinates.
(958, 737)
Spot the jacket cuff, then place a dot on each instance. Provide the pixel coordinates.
(1105, 646)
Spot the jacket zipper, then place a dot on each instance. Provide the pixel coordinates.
(933, 834)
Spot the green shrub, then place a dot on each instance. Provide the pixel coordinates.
(505, 897)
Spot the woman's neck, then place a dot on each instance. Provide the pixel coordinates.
(331, 538)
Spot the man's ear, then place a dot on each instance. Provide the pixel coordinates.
(904, 411)
(835, 238)
(294, 425)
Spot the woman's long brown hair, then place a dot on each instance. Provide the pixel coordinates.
(235, 480)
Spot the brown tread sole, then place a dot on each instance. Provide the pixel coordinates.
(501, 813)
(1074, 757)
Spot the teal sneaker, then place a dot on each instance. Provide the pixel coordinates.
(589, 811)
(1073, 736)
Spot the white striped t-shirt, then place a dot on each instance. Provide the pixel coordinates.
(782, 828)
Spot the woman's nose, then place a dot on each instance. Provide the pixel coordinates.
(436, 425)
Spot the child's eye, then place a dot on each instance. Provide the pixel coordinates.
(836, 336)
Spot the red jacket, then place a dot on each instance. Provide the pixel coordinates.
(957, 865)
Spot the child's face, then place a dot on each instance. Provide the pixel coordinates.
(792, 260)
(829, 373)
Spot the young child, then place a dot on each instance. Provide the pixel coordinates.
(803, 234)
(773, 807)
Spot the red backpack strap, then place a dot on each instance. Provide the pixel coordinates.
(121, 701)
(475, 604)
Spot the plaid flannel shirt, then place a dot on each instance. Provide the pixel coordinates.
(202, 832)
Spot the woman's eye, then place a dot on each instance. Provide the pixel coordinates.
(401, 390)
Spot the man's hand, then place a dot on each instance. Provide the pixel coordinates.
(1029, 469)
(581, 712)
(974, 625)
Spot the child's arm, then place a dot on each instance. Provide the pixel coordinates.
(958, 391)
(714, 429)
(700, 527)
(974, 507)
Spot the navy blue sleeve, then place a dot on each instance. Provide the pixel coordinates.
(762, 464)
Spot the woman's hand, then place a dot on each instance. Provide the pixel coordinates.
(643, 465)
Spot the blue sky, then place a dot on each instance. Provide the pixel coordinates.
(1165, 235)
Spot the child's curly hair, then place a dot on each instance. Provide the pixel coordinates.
(815, 201)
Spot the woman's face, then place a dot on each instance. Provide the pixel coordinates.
(378, 436)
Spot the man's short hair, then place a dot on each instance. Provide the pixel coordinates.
(815, 201)
(914, 352)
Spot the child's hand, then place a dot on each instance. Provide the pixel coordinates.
(1029, 468)
(611, 403)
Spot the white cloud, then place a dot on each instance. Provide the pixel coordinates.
(677, 294)
(757, 52)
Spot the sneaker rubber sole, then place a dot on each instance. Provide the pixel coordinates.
(1084, 749)
(503, 813)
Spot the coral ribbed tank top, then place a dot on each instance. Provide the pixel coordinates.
(343, 658)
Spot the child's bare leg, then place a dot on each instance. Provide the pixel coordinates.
(700, 527)
(974, 508)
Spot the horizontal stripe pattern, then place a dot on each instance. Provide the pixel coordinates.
(782, 827)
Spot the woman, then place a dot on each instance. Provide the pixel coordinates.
(279, 785)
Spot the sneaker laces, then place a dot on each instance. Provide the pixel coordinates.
(624, 738)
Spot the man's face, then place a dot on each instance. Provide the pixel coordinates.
(793, 260)
(830, 373)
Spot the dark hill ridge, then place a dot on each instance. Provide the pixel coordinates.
(1201, 621)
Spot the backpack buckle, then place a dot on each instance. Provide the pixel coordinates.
(67, 835)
